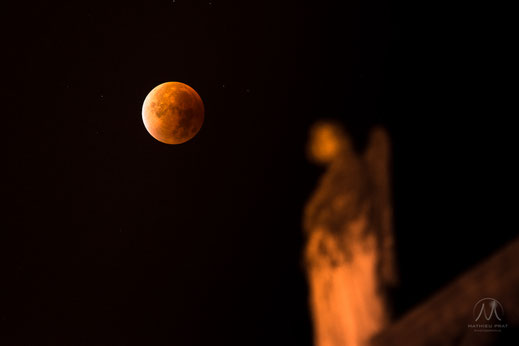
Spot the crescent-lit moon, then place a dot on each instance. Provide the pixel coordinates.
(173, 112)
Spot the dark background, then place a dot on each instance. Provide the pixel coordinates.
(112, 238)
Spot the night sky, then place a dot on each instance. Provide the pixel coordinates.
(112, 238)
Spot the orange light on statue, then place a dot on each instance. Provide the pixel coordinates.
(349, 249)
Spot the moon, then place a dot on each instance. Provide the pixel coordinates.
(173, 113)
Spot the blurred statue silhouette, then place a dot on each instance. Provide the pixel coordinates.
(349, 253)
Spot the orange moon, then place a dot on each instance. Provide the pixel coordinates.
(173, 112)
